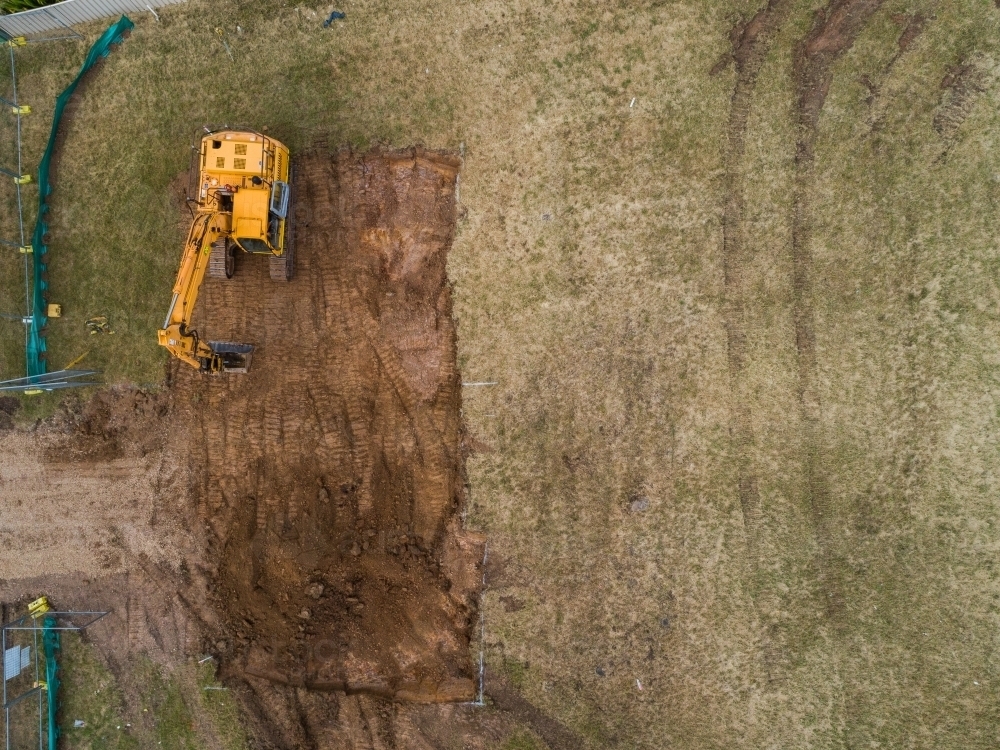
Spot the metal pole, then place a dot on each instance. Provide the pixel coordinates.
(10, 174)
(6, 710)
(24, 696)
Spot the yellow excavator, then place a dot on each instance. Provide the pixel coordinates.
(243, 205)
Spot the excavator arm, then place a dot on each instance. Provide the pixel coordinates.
(176, 335)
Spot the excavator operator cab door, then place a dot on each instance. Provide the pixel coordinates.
(277, 213)
(279, 199)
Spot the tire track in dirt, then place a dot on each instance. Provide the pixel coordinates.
(557, 735)
(961, 87)
(834, 30)
(750, 42)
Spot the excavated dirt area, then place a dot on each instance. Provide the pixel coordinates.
(300, 523)
(328, 478)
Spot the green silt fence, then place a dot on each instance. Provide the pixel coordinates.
(36, 338)
(51, 644)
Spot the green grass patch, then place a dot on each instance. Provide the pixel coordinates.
(168, 708)
(146, 707)
(218, 703)
(522, 741)
(90, 694)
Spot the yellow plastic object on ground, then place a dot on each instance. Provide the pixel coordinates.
(39, 607)
(242, 205)
(76, 361)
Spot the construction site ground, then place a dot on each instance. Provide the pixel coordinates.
(684, 318)
(300, 524)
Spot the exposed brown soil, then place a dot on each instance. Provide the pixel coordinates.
(834, 30)
(90, 487)
(329, 475)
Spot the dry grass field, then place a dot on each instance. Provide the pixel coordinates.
(737, 281)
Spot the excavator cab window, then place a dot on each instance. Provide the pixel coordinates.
(273, 231)
(253, 246)
(279, 199)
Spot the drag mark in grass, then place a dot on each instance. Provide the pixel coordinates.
(90, 695)
(172, 723)
(507, 698)
(218, 703)
(750, 42)
(833, 33)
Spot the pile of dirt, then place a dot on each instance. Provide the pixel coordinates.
(328, 478)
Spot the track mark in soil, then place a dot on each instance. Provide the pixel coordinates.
(912, 27)
(750, 42)
(961, 87)
(556, 735)
(834, 31)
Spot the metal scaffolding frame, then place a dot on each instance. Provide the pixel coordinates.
(22, 243)
(19, 178)
(26, 671)
(50, 381)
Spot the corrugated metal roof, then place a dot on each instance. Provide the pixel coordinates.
(70, 12)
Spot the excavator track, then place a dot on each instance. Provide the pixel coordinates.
(222, 261)
(282, 267)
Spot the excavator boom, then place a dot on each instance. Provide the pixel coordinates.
(176, 336)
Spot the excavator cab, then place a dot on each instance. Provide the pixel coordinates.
(249, 232)
(278, 213)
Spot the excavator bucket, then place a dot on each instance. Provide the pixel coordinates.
(235, 357)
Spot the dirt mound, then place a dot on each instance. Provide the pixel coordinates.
(328, 477)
